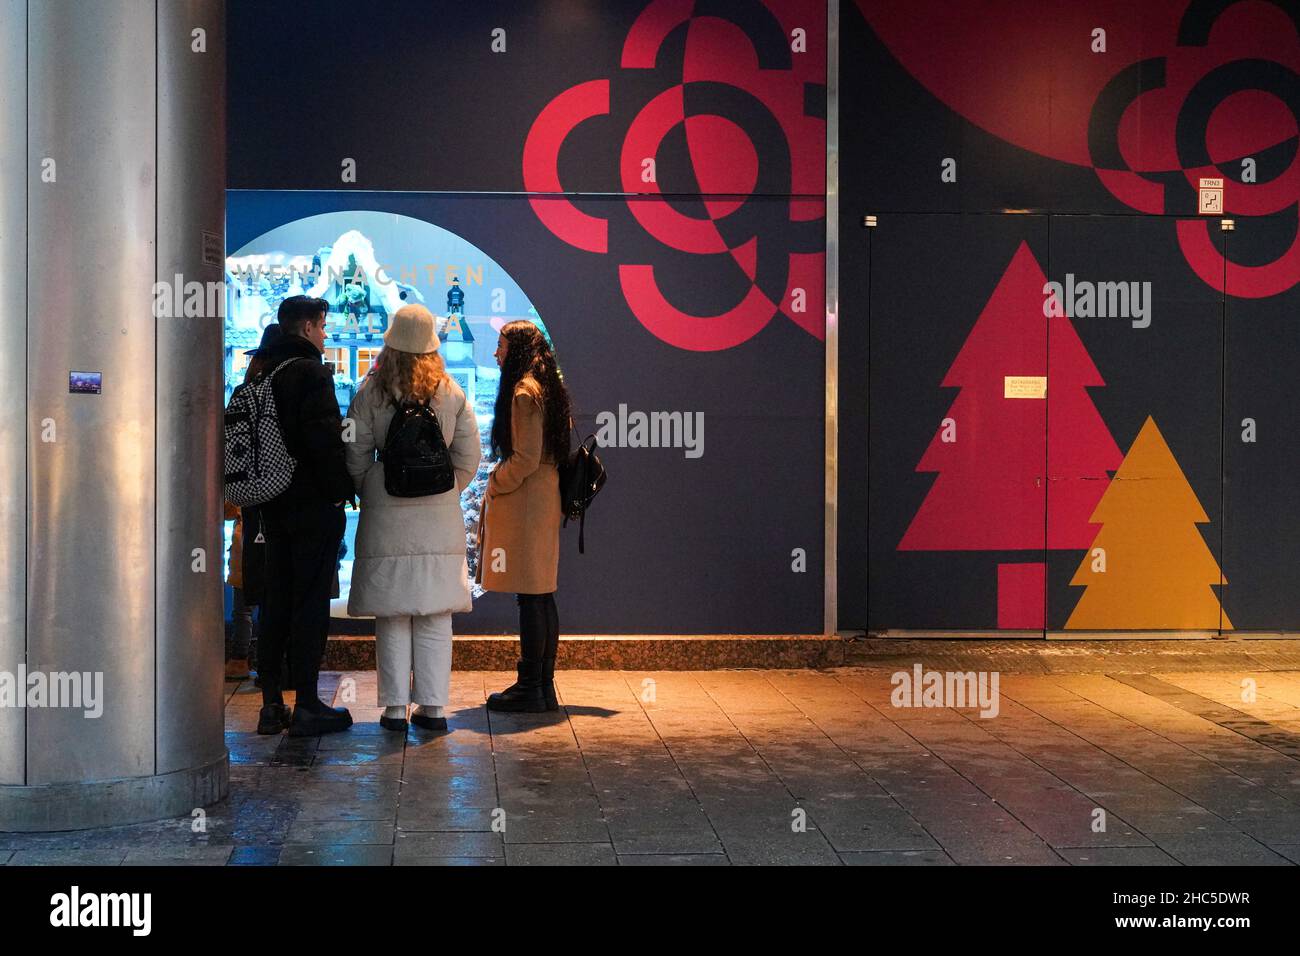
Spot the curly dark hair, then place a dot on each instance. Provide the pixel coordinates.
(529, 354)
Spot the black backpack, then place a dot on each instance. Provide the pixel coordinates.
(415, 457)
(581, 478)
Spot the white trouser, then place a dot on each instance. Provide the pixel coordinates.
(413, 655)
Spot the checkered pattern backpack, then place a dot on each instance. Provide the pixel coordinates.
(258, 465)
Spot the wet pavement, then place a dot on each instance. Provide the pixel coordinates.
(744, 767)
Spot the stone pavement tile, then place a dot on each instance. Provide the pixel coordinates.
(674, 770)
(426, 810)
(103, 856)
(359, 755)
(1117, 856)
(1124, 792)
(179, 856)
(343, 809)
(1291, 852)
(1261, 722)
(417, 845)
(1217, 849)
(814, 779)
(1158, 819)
(776, 809)
(532, 731)
(544, 773)
(450, 861)
(367, 782)
(242, 714)
(560, 854)
(721, 781)
(897, 858)
(364, 725)
(251, 748)
(1268, 828)
(993, 852)
(370, 743)
(660, 774)
(4, 856)
(458, 740)
(677, 829)
(1199, 742)
(555, 825)
(745, 847)
(861, 823)
(673, 859)
(564, 799)
(1273, 701)
(456, 791)
(341, 832)
(105, 838)
(1175, 766)
(319, 854)
(666, 842)
(444, 819)
(431, 764)
(254, 856)
(1068, 820)
(947, 816)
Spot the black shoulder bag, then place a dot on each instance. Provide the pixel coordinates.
(581, 478)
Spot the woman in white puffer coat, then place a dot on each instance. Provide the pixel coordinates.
(410, 571)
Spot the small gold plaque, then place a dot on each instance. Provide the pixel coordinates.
(1024, 386)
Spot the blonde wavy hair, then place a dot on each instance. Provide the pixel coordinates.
(406, 374)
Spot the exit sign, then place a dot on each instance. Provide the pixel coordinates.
(1211, 197)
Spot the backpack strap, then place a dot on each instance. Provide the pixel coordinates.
(288, 361)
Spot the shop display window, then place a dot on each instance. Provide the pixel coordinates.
(359, 262)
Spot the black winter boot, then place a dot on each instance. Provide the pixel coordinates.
(548, 655)
(273, 719)
(313, 717)
(525, 695)
(275, 715)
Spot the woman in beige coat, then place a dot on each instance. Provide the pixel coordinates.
(410, 570)
(519, 538)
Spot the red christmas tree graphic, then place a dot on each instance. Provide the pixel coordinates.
(1018, 370)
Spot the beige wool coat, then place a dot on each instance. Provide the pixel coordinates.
(410, 552)
(520, 531)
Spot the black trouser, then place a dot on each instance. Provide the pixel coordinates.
(301, 555)
(539, 626)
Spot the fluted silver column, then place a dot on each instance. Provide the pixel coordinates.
(123, 186)
(13, 375)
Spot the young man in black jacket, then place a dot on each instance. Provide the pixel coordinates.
(304, 525)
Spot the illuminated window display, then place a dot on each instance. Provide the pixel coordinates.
(366, 265)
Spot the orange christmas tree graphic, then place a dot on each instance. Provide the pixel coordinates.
(1149, 568)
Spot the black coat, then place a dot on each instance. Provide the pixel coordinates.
(253, 558)
(311, 423)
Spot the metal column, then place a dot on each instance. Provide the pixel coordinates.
(123, 172)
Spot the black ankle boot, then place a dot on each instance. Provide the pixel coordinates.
(548, 671)
(548, 685)
(273, 718)
(313, 717)
(525, 695)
